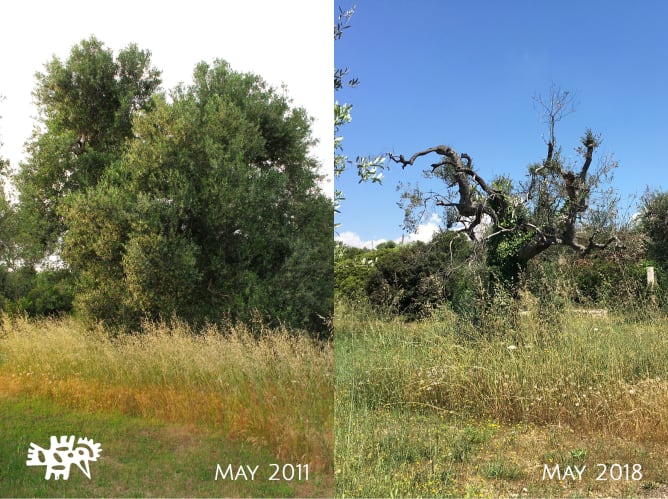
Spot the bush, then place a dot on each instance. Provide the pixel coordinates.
(351, 274)
(615, 277)
(414, 279)
(45, 293)
(654, 224)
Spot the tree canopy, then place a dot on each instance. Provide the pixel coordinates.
(86, 106)
(654, 223)
(201, 203)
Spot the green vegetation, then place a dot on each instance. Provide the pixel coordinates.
(166, 268)
(265, 392)
(654, 223)
(139, 458)
(458, 376)
(265, 385)
(200, 203)
(416, 279)
(517, 221)
(87, 104)
(441, 408)
(525, 334)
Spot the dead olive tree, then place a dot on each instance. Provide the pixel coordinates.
(558, 203)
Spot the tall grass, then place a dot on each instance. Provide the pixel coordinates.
(269, 387)
(597, 373)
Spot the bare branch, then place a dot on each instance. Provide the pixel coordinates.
(556, 107)
(480, 181)
(501, 231)
(594, 245)
(442, 150)
(549, 210)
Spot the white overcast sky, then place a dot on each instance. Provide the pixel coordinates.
(288, 41)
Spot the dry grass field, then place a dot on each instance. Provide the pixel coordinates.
(270, 389)
(437, 409)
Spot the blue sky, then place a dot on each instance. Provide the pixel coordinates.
(463, 73)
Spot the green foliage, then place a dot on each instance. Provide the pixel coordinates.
(387, 245)
(50, 292)
(502, 261)
(161, 273)
(503, 248)
(514, 223)
(301, 291)
(415, 280)
(8, 222)
(654, 224)
(8, 230)
(86, 105)
(411, 279)
(203, 206)
(404, 281)
(212, 211)
(615, 278)
(352, 267)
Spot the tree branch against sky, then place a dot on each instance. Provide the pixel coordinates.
(478, 97)
(368, 169)
(520, 221)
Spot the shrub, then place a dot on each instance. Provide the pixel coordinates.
(352, 267)
(49, 292)
(654, 224)
(416, 278)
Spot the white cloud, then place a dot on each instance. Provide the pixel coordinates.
(350, 238)
(424, 231)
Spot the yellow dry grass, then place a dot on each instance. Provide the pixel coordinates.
(272, 388)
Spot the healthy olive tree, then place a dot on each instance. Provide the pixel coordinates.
(212, 211)
(86, 105)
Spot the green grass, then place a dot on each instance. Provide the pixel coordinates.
(438, 409)
(265, 391)
(598, 373)
(139, 458)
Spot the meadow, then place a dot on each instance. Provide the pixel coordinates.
(441, 408)
(242, 394)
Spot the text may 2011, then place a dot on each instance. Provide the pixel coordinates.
(286, 472)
